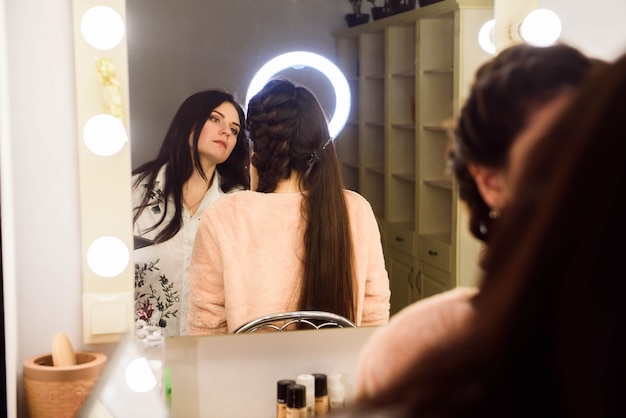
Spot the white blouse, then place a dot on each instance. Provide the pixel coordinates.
(162, 270)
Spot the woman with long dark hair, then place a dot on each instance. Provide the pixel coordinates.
(549, 335)
(297, 240)
(204, 156)
(505, 99)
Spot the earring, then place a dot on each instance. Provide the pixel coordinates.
(494, 213)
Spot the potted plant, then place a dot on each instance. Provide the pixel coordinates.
(378, 12)
(356, 17)
(399, 6)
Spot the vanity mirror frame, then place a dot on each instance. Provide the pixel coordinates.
(105, 200)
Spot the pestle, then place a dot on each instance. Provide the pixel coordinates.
(62, 351)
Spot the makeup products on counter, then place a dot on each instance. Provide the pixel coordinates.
(321, 395)
(336, 392)
(296, 401)
(310, 395)
(281, 397)
(308, 381)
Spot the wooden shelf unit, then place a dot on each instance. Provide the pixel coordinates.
(409, 73)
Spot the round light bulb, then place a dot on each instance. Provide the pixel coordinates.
(542, 27)
(139, 376)
(486, 37)
(301, 59)
(108, 256)
(102, 27)
(104, 135)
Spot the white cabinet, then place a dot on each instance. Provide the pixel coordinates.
(409, 73)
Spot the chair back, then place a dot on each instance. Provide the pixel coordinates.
(285, 321)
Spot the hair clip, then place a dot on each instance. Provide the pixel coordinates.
(312, 159)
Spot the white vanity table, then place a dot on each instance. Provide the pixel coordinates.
(236, 377)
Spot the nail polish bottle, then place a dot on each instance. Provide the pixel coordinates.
(281, 397)
(321, 395)
(296, 401)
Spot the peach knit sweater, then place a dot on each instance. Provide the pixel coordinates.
(412, 333)
(246, 261)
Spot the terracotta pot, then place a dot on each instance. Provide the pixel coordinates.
(353, 19)
(59, 392)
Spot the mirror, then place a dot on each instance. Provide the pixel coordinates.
(178, 48)
(175, 50)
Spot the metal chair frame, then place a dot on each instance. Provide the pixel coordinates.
(314, 319)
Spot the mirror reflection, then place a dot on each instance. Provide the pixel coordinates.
(220, 52)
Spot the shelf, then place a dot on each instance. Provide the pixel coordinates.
(435, 128)
(350, 165)
(403, 75)
(413, 71)
(438, 71)
(408, 177)
(375, 170)
(445, 184)
(405, 126)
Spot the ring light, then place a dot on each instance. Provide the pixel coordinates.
(301, 59)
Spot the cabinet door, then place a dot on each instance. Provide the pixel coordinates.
(432, 281)
(402, 276)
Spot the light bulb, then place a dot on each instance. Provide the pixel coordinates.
(104, 135)
(102, 27)
(542, 27)
(108, 256)
(486, 37)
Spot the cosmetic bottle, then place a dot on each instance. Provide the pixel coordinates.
(152, 347)
(281, 397)
(336, 392)
(296, 401)
(308, 381)
(321, 395)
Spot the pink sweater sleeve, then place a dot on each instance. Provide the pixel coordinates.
(377, 292)
(413, 332)
(207, 303)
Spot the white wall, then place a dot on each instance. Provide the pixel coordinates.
(595, 27)
(40, 186)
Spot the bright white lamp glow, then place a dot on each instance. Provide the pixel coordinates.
(486, 35)
(139, 376)
(102, 27)
(104, 135)
(108, 256)
(301, 59)
(542, 27)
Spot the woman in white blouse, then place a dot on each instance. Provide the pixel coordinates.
(203, 156)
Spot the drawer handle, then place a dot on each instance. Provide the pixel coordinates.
(433, 253)
(399, 239)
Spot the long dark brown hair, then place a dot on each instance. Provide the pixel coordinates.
(550, 335)
(181, 159)
(289, 131)
(505, 93)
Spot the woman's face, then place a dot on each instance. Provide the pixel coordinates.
(219, 135)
